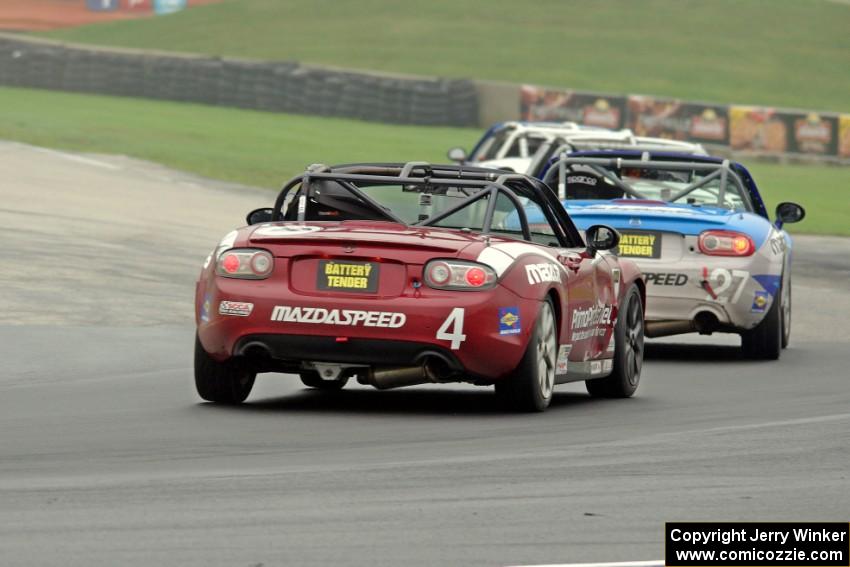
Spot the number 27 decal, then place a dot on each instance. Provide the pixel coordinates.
(723, 280)
(452, 328)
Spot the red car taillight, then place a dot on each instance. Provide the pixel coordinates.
(245, 263)
(726, 243)
(459, 275)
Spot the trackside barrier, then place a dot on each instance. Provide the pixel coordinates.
(279, 86)
(742, 130)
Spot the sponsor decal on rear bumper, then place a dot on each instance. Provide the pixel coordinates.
(509, 321)
(671, 279)
(344, 317)
(235, 308)
(759, 302)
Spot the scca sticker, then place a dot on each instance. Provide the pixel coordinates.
(235, 308)
(509, 321)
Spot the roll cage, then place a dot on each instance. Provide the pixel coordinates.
(475, 183)
(562, 146)
(606, 167)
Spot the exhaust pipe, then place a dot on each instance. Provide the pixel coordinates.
(397, 377)
(705, 323)
(656, 329)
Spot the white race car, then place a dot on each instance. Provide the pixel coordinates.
(525, 147)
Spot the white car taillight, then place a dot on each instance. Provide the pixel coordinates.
(244, 263)
(459, 275)
(726, 243)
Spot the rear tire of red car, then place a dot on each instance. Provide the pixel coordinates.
(221, 382)
(764, 342)
(311, 379)
(530, 387)
(628, 353)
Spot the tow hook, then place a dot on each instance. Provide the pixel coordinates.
(706, 285)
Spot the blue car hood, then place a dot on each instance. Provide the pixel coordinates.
(666, 217)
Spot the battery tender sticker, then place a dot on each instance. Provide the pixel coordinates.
(509, 323)
(643, 244)
(347, 276)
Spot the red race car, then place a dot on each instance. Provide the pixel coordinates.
(404, 274)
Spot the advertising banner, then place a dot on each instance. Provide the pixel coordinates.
(558, 105)
(769, 130)
(844, 136)
(754, 128)
(813, 133)
(136, 5)
(102, 5)
(678, 120)
(168, 6)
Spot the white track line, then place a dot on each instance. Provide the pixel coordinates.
(78, 159)
(659, 563)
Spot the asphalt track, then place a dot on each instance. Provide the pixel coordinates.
(107, 457)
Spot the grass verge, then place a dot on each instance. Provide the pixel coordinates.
(773, 52)
(265, 149)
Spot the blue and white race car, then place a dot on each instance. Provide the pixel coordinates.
(696, 225)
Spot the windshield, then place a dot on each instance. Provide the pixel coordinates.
(412, 204)
(679, 186)
(491, 146)
(504, 144)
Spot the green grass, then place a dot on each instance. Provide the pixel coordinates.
(777, 52)
(824, 191)
(251, 147)
(265, 149)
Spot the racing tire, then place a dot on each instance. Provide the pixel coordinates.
(764, 342)
(221, 382)
(529, 388)
(311, 379)
(786, 315)
(628, 351)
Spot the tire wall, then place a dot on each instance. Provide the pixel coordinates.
(261, 85)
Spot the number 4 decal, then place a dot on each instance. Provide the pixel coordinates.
(452, 328)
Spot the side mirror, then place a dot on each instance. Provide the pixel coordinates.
(601, 237)
(260, 215)
(457, 155)
(788, 213)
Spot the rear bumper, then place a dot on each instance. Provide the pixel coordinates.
(292, 349)
(725, 291)
(485, 353)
